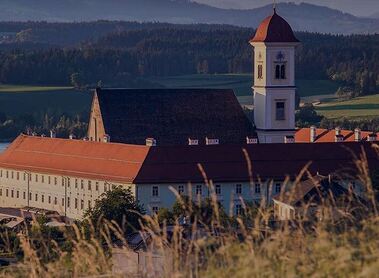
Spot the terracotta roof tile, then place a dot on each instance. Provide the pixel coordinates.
(180, 164)
(303, 135)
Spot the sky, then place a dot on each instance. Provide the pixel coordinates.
(356, 7)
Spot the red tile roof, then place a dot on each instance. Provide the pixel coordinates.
(274, 29)
(116, 162)
(180, 164)
(303, 135)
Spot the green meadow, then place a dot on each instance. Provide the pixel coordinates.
(357, 108)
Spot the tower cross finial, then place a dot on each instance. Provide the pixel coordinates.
(274, 5)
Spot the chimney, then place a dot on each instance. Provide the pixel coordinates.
(289, 139)
(151, 142)
(53, 134)
(372, 137)
(357, 135)
(209, 141)
(71, 136)
(338, 131)
(193, 142)
(313, 134)
(106, 138)
(251, 140)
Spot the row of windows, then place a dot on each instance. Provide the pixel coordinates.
(280, 72)
(238, 209)
(49, 200)
(199, 189)
(49, 180)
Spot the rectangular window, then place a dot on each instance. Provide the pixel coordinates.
(24, 176)
(76, 203)
(155, 191)
(36, 178)
(68, 202)
(7, 192)
(257, 188)
(89, 185)
(49, 198)
(30, 196)
(7, 174)
(155, 209)
(24, 195)
(55, 201)
(43, 179)
(81, 204)
(239, 210)
(18, 194)
(181, 189)
(36, 197)
(62, 181)
(49, 180)
(1, 192)
(76, 183)
(43, 198)
(89, 204)
(30, 176)
(68, 182)
(199, 189)
(18, 175)
(238, 189)
(12, 193)
(12, 175)
(97, 186)
(277, 187)
(218, 189)
(62, 202)
(1, 173)
(82, 184)
(55, 181)
(280, 111)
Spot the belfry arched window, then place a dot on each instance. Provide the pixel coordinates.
(280, 71)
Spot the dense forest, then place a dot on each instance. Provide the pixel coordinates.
(127, 55)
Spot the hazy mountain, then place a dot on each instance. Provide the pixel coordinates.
(303, 17)
(362, 8)
(375, 15)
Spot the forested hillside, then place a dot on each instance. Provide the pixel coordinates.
(124, 58)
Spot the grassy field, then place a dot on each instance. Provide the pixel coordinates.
(361, 107)
(25, 88)
(241, 83)
(17, 100)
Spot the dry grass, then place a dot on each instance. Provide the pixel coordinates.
(343, 247)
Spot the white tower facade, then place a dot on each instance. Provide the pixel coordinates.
(274, 80)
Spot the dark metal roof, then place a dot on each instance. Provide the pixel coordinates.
(274, 29)
(171, 116)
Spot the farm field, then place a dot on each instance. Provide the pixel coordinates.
(357, 108)
(18, 100)
(242, 83)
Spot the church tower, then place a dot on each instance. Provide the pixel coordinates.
(274, 80)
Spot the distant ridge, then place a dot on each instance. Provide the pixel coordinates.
(303, 17)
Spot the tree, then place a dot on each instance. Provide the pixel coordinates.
(77, 80)
(117, 205)
(307, 116)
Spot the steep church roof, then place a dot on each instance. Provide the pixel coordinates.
(274, 29)
(171, 116)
